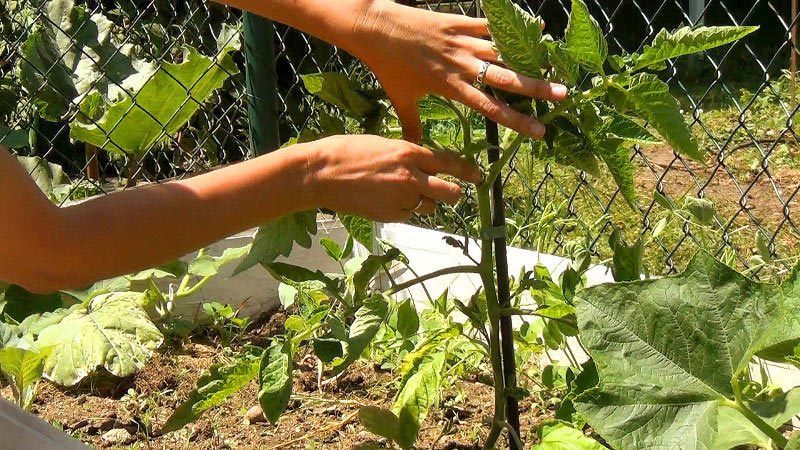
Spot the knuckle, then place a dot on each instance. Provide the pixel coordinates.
(489, 107)
(504, 78)
(540, 88)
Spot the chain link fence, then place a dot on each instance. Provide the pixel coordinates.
(66, 66)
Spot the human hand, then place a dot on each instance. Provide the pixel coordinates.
(383, 179)
(414, 52)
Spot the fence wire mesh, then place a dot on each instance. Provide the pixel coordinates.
(66, 65)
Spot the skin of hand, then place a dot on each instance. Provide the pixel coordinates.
(45, 248)
(415, 52)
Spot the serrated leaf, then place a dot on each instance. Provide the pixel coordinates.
(617, 158)
(222, 381)
(684, 41)
(335, 88)
(432, 107)
(651, 98)
(417, 396)
(301, 278)
(331, 248)
(585, 40)
(425, 348)
(362, 230)
(207, 265)
(667, 351)
(368, 320)
(275, 380)
(568, 149)
(379, 421)
(517, 35)
(277, 238)
(163, 104)
(112, 331)
(564, 65)
(623, 127)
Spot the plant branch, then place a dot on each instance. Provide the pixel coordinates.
(446, 271)
(765, 428)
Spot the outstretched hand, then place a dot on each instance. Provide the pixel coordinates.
(415, 52)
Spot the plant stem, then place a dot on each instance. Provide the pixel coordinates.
(765, 428)
(184, 292)
(446, 271)
(493, 308)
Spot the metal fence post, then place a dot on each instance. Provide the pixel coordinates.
(261, 84)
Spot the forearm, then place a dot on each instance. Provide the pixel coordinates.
(135, 229)
(340, 22)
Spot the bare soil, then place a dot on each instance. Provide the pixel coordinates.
(319, 417)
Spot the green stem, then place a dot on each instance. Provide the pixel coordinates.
(765, 428)
(447, 271)
(184, 292)
(497, 167)
(493, 308)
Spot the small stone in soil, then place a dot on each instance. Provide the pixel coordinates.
(117, 436)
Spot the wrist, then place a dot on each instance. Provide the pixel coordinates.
(307, 160)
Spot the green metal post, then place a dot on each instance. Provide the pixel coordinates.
(261, 83)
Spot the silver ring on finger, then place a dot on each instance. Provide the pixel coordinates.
(482, 71)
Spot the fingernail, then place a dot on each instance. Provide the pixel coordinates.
(538, 130)
(558, 90)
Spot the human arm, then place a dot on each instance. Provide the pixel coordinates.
(45, 248)
(414, 52)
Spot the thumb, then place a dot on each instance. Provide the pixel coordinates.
(408, 113)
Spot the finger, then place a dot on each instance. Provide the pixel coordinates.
(439, 190)
(408, 113)
(510, 81)
(483, 50)
(499, 112)
(473, 27)
(435, 163)
(426, 206)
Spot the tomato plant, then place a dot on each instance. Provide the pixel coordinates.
(652, 382)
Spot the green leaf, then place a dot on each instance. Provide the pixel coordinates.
(275, 380)
(432, 344)
(668, 45)
(328, 348)
(585, 40)
(379, 421)
(301, 278)
(369, 268)
(206, 265)
(432, 107)
(794, 442)
(335, 88)
(362, 230)
(565, 67)
(20, 303)
(418, 395)
(628, 259)
(23, 367)
(111, 330)
(13, 138)
(561, 436)
(167, 100)
(277, 238)
(651, 98)
(517, 36)
(667, 351)
(46, 174)
(407, 318)
(332, 248)
(617, 157)
(368, 320)
(222, 381)
(702, 209)
(44, 75)
(569, 149)
(620, 126)
(735, 430)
